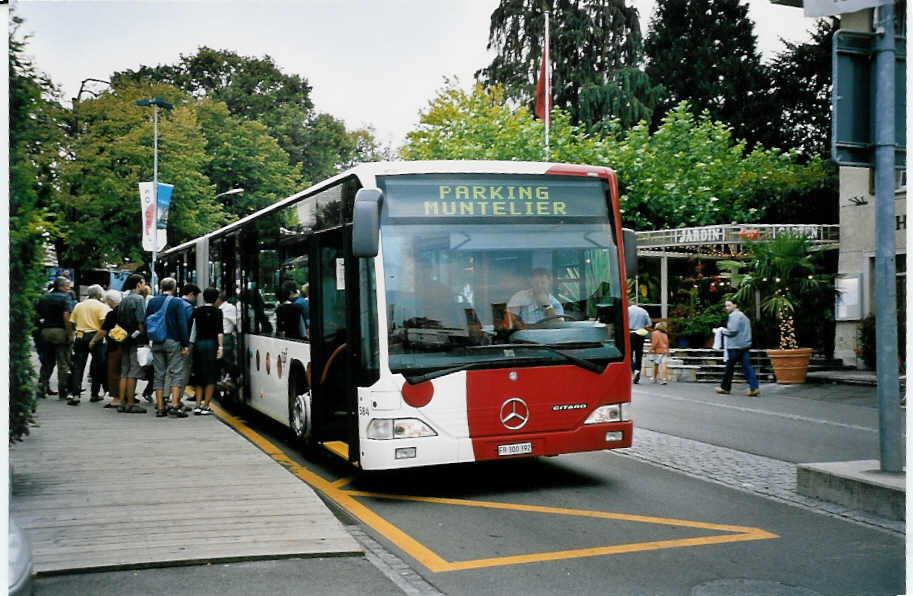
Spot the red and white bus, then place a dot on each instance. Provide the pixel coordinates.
(458, 311)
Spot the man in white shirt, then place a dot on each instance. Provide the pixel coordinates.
(536, 303)
(638, 323)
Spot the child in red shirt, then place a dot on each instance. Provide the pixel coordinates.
(659, 350)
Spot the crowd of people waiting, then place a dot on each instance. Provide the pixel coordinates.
(165, 340)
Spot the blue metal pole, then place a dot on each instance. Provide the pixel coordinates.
(889, 425)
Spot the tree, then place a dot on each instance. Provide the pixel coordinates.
(111, 152)
(255, 89)
(34, 138)
(481, 125)
(242, 154)
(784, 272)
(690, 172)
(596, 50)
(801, 87)
(252, 88)
(705, 52)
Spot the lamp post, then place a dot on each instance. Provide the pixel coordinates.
(156, 103)
(234, 191)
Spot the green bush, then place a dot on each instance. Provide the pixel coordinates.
(867, 348)
(703, 324)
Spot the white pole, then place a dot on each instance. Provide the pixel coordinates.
(548, 87)
(155, 194)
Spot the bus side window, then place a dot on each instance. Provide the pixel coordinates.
(267, 272)
(295, 229)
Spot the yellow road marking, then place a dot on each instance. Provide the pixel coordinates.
(339, 448)
(347, 499)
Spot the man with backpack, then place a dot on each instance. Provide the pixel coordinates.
(131, 317)
(168, 329)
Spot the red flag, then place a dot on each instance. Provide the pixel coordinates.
(540, 86)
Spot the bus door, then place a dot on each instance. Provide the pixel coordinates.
(333, 392)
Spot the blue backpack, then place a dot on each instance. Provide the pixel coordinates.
(156, 329)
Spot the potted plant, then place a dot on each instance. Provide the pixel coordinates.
(781, 271)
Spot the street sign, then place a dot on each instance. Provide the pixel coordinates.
(852, 126)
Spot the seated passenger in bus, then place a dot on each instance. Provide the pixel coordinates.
(536, 303)
(289, 318)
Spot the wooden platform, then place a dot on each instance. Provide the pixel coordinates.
(99, 490)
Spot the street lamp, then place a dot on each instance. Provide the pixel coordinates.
(156, 103)
(234, 191)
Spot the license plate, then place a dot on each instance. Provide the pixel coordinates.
(515, 449)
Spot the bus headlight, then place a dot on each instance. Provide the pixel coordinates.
(399, 428)
(609, 413)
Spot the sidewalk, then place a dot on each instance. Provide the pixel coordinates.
(99, 490)
(853, 485)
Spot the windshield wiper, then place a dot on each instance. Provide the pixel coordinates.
(526, 343)
(446, 371)
(581, 362)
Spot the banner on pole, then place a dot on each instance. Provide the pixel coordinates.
(147, 211)
(541, 90)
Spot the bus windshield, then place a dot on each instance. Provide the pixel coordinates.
(486, 270)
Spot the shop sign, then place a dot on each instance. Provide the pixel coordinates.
(710, 234)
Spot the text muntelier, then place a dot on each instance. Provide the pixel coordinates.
(494, 200)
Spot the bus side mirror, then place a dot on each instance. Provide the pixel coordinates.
(629, 238)
(366, 222)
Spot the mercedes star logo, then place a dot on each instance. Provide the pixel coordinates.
(514, 413)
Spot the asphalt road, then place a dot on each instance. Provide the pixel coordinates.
(594, 523)
(789, 423)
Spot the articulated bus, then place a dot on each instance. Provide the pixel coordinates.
(459, 311)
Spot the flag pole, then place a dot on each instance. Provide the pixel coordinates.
(548, 88)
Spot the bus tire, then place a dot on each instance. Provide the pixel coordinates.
(300, 415)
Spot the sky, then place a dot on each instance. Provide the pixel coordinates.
(370, 62)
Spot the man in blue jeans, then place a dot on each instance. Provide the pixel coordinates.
(738, 342)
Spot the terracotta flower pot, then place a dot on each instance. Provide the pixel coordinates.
(790, 366)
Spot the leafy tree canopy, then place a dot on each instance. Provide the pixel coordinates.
(34, 144)
(595, 48)
(251, 87)
(801, 86)
(110, 154)
(243, 155)
(255, 89)
(705, 52)
(690, 172)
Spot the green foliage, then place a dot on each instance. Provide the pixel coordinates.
(867, 339)
(242, 154)
(596, 51)
(801, 85)
(482, 125)
(867, 344)
(110, 153)
(30, 138)
(690, 172)
(256, 90)
(705, 52)
(703, 323)
(784, 272)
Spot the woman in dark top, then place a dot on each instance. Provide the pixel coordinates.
(206, 337)
(289, 319)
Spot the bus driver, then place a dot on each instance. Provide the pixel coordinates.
(536, 303)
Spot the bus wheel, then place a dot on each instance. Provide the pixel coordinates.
(300, 419)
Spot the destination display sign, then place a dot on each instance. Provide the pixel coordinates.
(481, 196)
